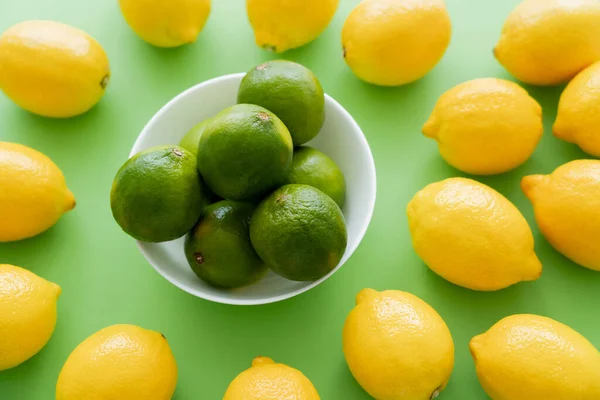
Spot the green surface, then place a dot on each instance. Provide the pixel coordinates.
(105, 279)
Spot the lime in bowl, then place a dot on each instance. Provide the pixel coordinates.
(340, 138)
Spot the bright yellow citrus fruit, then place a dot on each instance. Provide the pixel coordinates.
(268, 380)
(531, 50)
(394, 42)
(578, 120)
(284, 25)
(486, 126)
(52, 69)
(471, 235)
(166, 23)
(33, 192)
(27, 314)
(119, 362)
(536, 358)
(567, 209)
(397, 346)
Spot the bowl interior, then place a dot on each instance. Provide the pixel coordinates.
(340, 138)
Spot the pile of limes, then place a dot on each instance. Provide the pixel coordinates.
(242, 187)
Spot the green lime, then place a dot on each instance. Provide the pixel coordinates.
(292, 92)
(191, 139)
(314, 168)
(190, 143)
(245, 152)
(157, 194)
(299, 232)
(219, 249)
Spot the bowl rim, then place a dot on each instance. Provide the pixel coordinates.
(269, 299)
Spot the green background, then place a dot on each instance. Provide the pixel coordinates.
(105, 279)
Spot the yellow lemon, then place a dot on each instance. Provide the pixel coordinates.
(536, 358)
(471, 235)
(33, 192)
(52, 69)
(27, 314)
(567, 209)
(485, 126)
(394, 42)
(119, 362)
(531, 50)
(284, 25)
(166, 23)
(267, 380)
(577, 120)
(397, 346)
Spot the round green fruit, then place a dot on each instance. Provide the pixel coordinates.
(299, 232)
(219, 250)
(314, 168)
(289, 90)
(192, 138)
(244, 153)
(157, 194)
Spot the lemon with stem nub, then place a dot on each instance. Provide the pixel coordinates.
(52, 69)
(119, 362)
(33, 192)
(284, 25)
(536, 358)
(267, 379)
(166, 23)
(394, 42)
(397, 346)
(27, 314)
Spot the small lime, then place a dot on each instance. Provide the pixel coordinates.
(219, 249)
(190, 142)
(289, 90)
(192, 138)
(299, 232)
(157, 194)
(314, 168)
(244, 152)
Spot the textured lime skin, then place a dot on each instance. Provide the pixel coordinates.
(314, 168)
(299, 232)
(190, 142)
(192, 138)
(245, 152)
(157, 194)
(219, 249)
(292, 92)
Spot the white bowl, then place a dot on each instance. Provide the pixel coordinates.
(340, 138)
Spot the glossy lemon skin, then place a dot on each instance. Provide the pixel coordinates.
(486, 126)
(52, 69)
(531, 50)
(397, 346)
(471, 235)
(283, 25)
(577, 119)
(33, 192)
(119, 362)
(268, 380)
(166, 23)
(536, 358)
(566, 204)
(395, 42)
(27, 314)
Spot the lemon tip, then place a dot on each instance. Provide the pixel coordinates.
(429, 129)
(474, 345)
(365, 295)
(260, 360)
(70, 201)
(530, 182)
